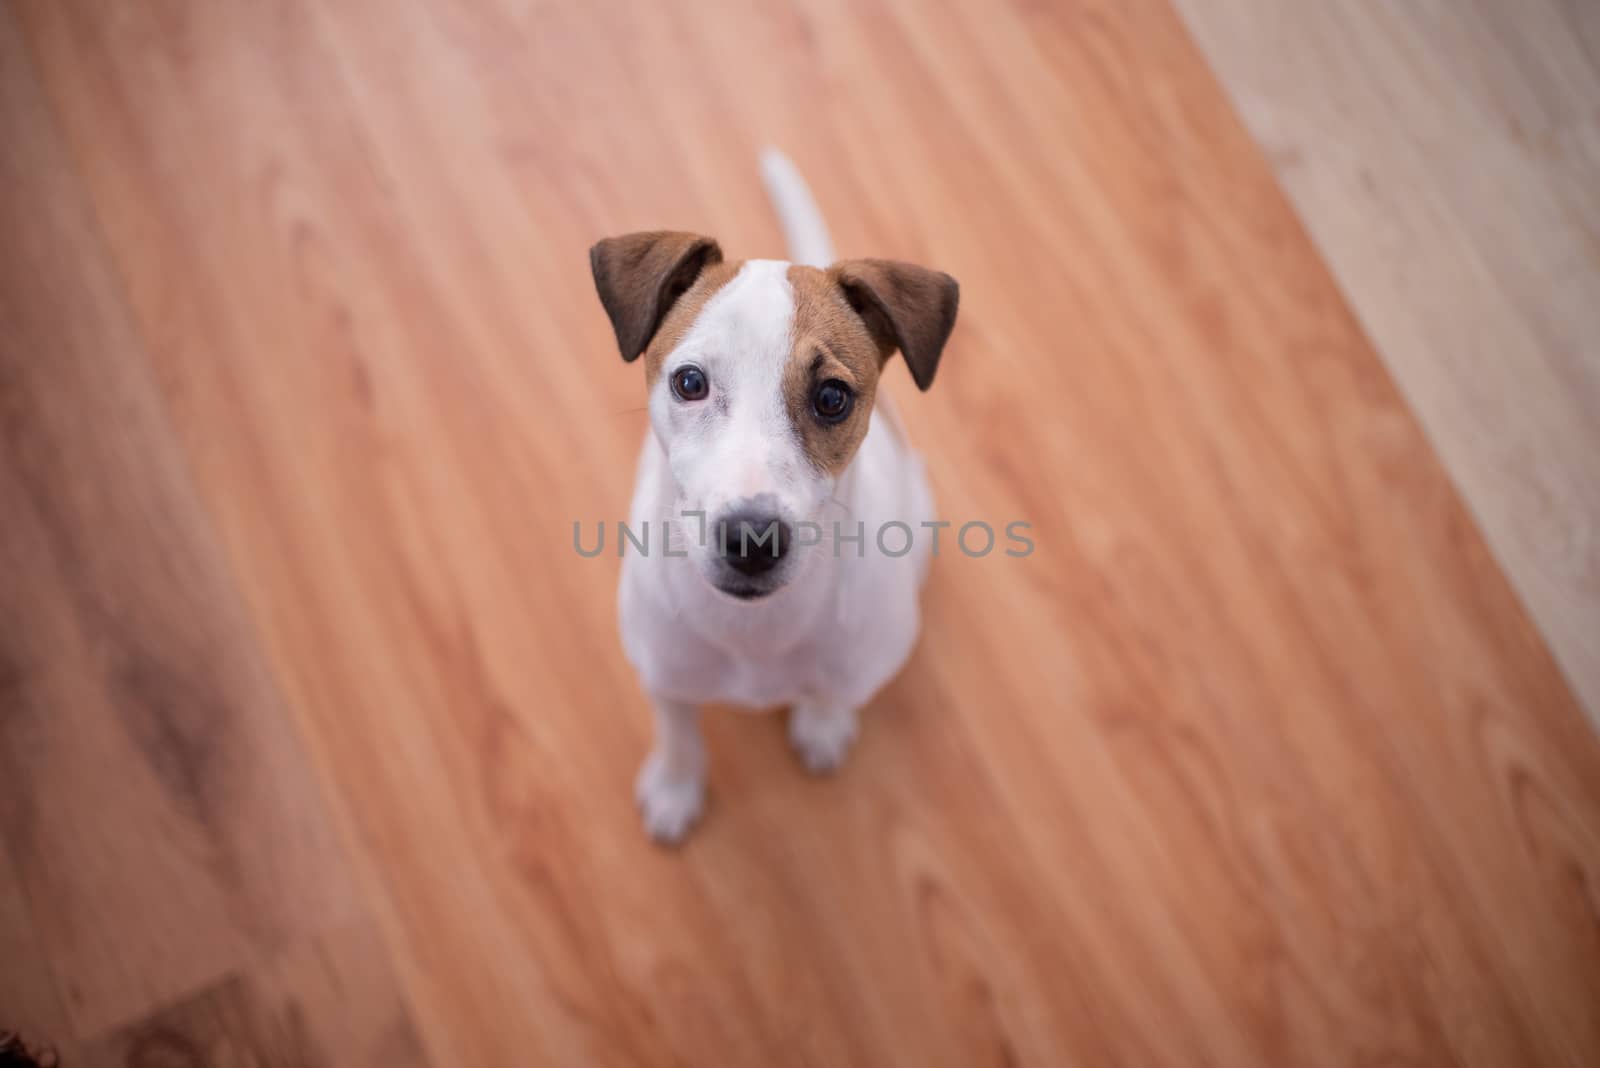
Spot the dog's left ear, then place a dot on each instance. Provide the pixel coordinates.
(906, 307)
(640, 276)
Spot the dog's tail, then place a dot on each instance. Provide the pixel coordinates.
(803, 227)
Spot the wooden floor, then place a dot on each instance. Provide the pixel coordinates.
(1444, 155)
(316, 741)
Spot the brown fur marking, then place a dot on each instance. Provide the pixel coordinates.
(830, 341)
(639, 277)
(906, 307)
(683, 313)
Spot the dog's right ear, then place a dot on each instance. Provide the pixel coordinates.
(640, 276)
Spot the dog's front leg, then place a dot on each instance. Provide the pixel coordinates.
(821, 733)
(671, 788)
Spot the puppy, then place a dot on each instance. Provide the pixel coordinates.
(789, 507)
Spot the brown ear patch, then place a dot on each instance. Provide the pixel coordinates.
(830, 341)
(683, 313)
(641, 276)
(906, 307)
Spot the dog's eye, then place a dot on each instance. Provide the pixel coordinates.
(832, 401)
(689, 383)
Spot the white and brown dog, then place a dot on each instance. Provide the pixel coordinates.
(793, 511)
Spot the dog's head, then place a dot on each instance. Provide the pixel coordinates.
(761, 377)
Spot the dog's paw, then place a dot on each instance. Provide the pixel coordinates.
(822, 735)
(670, 805)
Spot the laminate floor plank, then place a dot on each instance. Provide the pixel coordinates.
(162, 825)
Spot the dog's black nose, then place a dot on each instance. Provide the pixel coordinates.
(752, 543)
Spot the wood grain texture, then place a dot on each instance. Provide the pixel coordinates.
(30, 1005)
(1256, 760)
(1444, 155)
(161, 826)
(325, 1002)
